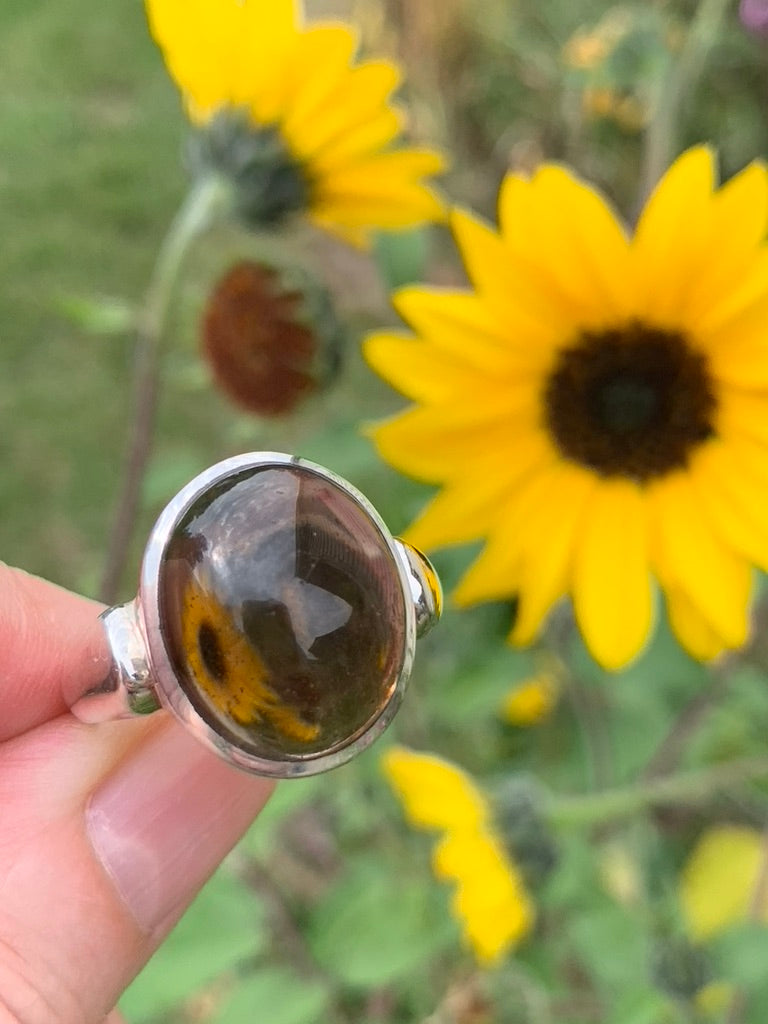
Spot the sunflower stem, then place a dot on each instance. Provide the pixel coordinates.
(689, 787)
(200, 208)
(661, 139)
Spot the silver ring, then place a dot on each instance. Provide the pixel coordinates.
(276, 618)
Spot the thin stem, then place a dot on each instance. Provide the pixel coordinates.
(662, 133)
(683, 788)
(195, 214)
(667, 755)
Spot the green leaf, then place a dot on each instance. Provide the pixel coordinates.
(222, 927)
(276, 996)
(641, 1007)
(107, 316)
(598, 933)
(374, 928)
(401, 256)
(740, 956)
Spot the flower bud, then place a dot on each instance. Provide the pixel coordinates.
(269, 344)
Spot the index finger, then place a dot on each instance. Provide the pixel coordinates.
(52, 649)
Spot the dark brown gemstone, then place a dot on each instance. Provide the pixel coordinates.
(283, 612)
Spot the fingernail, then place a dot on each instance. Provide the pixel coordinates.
(165, 818)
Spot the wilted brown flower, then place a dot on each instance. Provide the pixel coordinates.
(260, 350)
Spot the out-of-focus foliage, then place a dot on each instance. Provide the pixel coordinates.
(329, 912)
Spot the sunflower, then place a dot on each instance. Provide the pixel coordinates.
(596, 406)
(290, 114)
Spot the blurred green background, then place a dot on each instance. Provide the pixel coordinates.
(327, 912)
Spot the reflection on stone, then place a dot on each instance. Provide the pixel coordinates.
(283, 612)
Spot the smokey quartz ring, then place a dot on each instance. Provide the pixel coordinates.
(276, 618)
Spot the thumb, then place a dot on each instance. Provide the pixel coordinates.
(107, 834)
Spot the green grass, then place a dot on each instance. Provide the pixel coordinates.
(89, 136)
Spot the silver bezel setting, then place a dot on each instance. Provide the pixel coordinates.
(161, 674)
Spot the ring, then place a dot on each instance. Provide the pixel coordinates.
(276, 618)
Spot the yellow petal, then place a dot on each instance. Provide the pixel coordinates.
(611, 581)
(421, 371)
(331, 107)
(719, 879)
(437, 444)
(435, 793)
(547, 525)
(534, 699)
(381, 203)
(476, 503)
(733, 323)
(739, 220)
(563, 226)
(689, 626)
(743, 414)
(732, 500)
(376, 132)
(490, 900)
(381, 175)
(522, 297)
(222, 51)
(462, 323)
(687, 553)
(328, 50)
(669, 246)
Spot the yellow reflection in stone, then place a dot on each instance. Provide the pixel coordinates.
(225, 665)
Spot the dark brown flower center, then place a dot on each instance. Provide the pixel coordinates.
(633, 401)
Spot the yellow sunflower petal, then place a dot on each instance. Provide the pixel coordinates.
(434, 445)
(522, 297)
(739, 221)
(611, 580)
(743, 414)
(732, 320)
(435, 793)
(669, 245)
(732, 500)
(374, 192)
(460, 322)
(548, 524)
(321, 124)
(420, 370)
(691, 628)
(375, 133)
(719, 879)
(687, 552)
(567, 230)
(221, 51)
(490, 900)
(380, 177)
(474, 504)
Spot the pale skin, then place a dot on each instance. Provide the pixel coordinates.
(107, 831)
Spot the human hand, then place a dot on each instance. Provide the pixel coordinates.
(106, 832)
